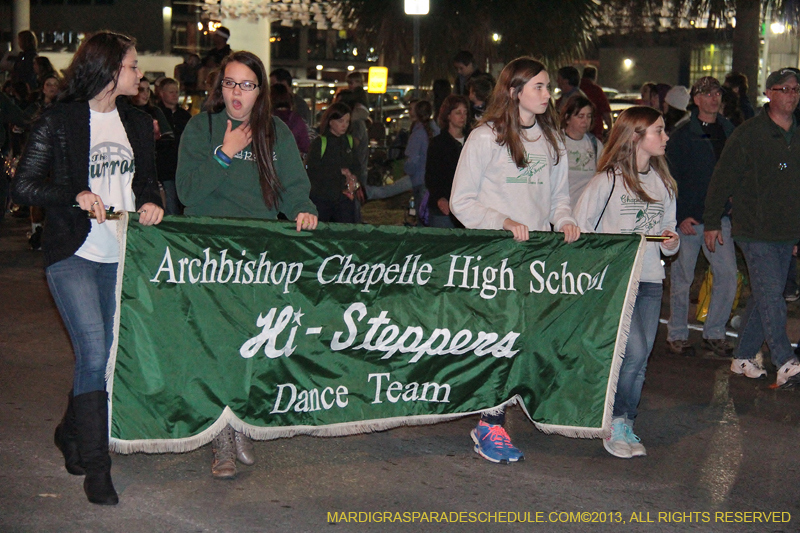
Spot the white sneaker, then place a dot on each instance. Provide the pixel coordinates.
(617, 444)
(637, 448)
(790, 368)
(750, 368)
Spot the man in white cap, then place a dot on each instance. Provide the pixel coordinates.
(221, 48)
(693, 150)
(760, 170)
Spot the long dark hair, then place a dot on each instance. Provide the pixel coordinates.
(423, 111)
(261, 125)
(503, 111)
(335, 111)
(96, 64)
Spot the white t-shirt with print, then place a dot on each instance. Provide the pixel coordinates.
(582, 164)
(111, 167)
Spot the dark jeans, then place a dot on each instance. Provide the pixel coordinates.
(343, 210)
(764, 317)
(84, 292)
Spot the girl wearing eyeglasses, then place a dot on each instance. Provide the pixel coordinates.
(236, 160)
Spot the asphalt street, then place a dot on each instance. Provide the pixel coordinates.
(717, 445)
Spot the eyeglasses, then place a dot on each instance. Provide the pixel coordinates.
(711, 93)
(787, 90)
(246, 86)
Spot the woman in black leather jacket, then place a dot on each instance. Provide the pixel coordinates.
(89, 151)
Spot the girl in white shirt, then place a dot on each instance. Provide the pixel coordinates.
(583, 148)
(634, 193)
(512, 175)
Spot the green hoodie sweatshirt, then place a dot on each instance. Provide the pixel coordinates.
(206, 188)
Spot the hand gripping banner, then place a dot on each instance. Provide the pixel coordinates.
(357, 328)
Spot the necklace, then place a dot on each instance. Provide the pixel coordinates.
(528, 127)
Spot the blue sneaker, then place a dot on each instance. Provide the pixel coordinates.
(617, 444)
(493, 444)
(637, 448)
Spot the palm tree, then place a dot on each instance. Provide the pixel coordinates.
(498, 30)
(647, 15)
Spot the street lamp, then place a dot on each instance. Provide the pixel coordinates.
(416, 8)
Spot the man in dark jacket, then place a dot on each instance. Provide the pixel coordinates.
(760, 169)
(692, 152)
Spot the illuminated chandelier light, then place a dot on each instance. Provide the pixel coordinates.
(323, 14)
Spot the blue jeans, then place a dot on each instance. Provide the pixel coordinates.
(764, 317)
(644, 325)
(84, 292)
(723, 291)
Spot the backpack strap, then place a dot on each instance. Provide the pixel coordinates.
(325, 144)
(613, 184)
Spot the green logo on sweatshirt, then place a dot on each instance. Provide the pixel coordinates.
(536, 163)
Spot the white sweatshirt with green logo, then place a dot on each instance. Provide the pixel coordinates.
(489, 188)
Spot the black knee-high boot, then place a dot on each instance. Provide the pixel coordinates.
(66, 439)
(91, 417)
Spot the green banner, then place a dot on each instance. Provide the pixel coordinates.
(355, 328)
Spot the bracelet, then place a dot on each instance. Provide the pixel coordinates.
(222, 155)
(221, 162)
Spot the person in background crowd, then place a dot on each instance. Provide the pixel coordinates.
(221, 48)
(167, 147)
(354, 80)
(442, 160)
(10, 115)
(518, 140)
(236, 160)
(465, 66)
(43, 67)
(333, 167)
(417, 148)
(441, 90)
(658, 95)
(736, 104)
(283, 77)
(692, 152)
(760, 170)
(646, 91)
(360, 122)
(24, 70)
(281, 101)
(583, 148)
(567, 79)
(161, 126)
(63, 170)
(50, 85)
(479, 92)
(633, 179)
(674, 110)
(595, 93)
(187, 73)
